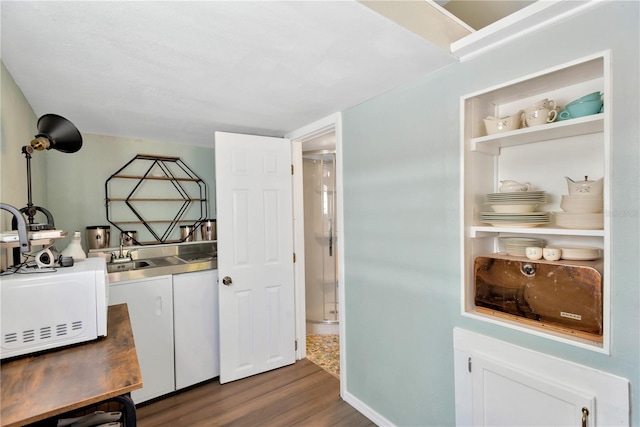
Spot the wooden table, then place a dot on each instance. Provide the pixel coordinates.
(48, 384)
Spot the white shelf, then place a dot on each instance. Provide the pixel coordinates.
(492, 144)
(542, 155)
(480, 231)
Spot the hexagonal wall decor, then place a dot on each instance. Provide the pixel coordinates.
(156, 193)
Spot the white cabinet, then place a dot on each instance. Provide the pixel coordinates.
(175, 327)
(151, 312)
(195, 310)
(500, 384)
(542, 155)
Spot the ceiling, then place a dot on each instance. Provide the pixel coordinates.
(481, 13)
(178, 71)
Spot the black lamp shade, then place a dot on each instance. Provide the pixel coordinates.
(61, 133)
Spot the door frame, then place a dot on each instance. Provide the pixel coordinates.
(331, 123)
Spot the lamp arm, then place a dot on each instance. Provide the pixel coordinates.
(27, 150)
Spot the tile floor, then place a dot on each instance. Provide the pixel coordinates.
(324, 351)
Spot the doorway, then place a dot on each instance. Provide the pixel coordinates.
(320, 248)
(321, 256)
(323, 135)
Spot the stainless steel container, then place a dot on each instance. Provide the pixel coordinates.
(98, 236)
(129, 238)
(208, 229)
(187, 233)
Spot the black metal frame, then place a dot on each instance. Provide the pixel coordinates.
(161, 161)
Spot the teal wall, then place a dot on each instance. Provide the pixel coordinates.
(401, 160)
(76, 182)
(72, 186)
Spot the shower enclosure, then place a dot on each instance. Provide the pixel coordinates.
(321, 267)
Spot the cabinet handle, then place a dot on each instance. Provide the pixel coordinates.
(227, 281)
(158, 306)
(585, 414)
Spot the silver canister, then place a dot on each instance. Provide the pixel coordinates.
(98, 236)
(208, 229)
(129, 238)
(187, 233)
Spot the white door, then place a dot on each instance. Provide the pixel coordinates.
(255, 254)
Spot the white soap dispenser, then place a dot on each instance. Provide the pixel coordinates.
(74, 248)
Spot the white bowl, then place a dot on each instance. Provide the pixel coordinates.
(495, 125)
(586, 221)
(582, 204)
(578, 209)
(579, 253)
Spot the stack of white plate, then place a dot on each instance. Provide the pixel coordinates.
(516, 245)
(516, 202)
(582, 203)
(530, 219)
(586, 221)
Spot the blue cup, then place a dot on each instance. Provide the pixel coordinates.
(583, 108)
(563, 115)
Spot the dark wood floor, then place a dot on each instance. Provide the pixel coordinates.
(301, 394)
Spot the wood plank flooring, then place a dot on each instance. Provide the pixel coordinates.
(301, 394)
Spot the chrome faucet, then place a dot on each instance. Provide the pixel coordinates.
(121, 257)
(121, 253)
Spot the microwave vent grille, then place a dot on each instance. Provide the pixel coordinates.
(43, 333)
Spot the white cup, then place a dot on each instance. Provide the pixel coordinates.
(552, 254)
(538, 117)
(548, 104)
(533, 252)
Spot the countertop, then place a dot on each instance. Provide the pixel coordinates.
(54, 382)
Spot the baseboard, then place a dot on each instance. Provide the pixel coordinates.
(366, 410)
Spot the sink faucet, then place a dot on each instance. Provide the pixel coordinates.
(121, 253)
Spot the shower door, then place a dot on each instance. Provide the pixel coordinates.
(321, 272)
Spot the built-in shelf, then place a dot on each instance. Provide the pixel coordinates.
(479, 231)
(542, 155)
(491, 144)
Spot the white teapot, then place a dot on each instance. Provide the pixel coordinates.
(510, 186)
(585, 187)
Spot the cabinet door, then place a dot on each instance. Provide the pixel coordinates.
(510, 396)
(151, 312)
(195, 305)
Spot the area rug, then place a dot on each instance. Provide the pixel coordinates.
(324, 351)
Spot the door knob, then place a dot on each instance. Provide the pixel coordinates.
(227, 281)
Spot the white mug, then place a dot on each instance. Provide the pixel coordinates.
(533, 252)
(552, 254)
(538, 117)
(548, 104)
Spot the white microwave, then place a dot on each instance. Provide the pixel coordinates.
(43, 310)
